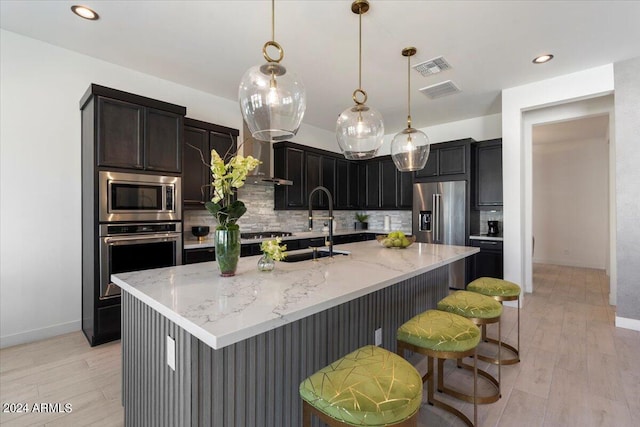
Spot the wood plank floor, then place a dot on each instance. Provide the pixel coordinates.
(577, 369)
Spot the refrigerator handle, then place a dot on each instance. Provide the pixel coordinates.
(436, 218)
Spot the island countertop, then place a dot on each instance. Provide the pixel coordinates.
(221, 311)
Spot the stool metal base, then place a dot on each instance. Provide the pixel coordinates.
(308, 410)
(504, 346)
(430, 377)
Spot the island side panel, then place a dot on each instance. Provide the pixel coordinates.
(255, 382)
(152, 393)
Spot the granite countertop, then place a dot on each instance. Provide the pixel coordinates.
(222, 311)
(190, 242)
(498, 238)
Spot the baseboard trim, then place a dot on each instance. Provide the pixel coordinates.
(623, 322)
(39, 334)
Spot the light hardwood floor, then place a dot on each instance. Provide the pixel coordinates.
(577, 369)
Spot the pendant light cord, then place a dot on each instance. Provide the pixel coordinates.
(273, 20)
(409, 91)
(360, 49)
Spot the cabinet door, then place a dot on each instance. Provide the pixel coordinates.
(313, 166)
(372, 184)
(195, 177)
(163, 141)
(342, 184)
(193, 256)
(488, 175)
(405, 190)
(225, 145)
(388, 184)
(328, 179)
(120, 134)
(488, 264)
(289, 163)
(431, 168)
(451, 160)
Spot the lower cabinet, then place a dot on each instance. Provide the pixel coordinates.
(192, 256)
(488, 262)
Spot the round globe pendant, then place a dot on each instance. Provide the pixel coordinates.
(360, 132)
(410, 150)
(273, 101)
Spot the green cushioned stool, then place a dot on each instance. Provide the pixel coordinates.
(441, 335)
(368, 387)
(500, 290)
(481, 310)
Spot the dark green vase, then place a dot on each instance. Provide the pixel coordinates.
(227, 251)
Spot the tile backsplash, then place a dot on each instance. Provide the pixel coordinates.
(490, 216)
(261, 216)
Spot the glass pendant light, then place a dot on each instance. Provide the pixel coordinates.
(272, 98)
(410, 148)
(359, 129)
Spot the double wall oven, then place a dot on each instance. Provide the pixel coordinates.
(139, 225)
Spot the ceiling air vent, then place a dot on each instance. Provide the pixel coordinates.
(439, 90)
(432, 66)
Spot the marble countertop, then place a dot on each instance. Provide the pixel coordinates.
(222, 311)
(190, 242)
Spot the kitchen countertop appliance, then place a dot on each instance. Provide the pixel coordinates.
(492, 228)
(440, 216)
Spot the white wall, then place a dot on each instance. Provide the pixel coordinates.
(570, 202)
(517, 158)
(41, 86)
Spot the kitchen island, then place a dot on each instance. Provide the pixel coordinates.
(243, 344)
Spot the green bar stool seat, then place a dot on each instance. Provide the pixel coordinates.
(500, 290)
(368, 387)
(481, 310)
(441, 335)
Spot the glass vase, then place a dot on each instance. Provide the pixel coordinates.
(266, 263)
(227, 251)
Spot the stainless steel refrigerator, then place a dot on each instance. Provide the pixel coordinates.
(440, 216)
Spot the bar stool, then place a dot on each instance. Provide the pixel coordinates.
(500, 290)
(481, 310)
(368, 387)
(441, 335)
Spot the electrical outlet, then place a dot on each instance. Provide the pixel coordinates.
(378, 337)
(171, 352)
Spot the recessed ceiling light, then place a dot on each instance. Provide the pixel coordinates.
(85, 12)
(543, 58)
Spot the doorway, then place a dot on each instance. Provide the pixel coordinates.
(570, 180)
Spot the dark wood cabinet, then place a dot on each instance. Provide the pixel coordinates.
(405, 190)
(193, 256)
(447, 160)
(133, 136)
(369, 184)
(289, 163)
(488, 262)
(388, 184)
(487, 174)
(346, 185)
(199, 139)
(121, 131)
(372, 184)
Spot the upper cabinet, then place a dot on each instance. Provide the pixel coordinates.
(487, 174)
(199, 139)
(134, 132)
(447, 160)
(289, 163)
(369, 184)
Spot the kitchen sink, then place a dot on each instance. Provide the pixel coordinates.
(306, 256)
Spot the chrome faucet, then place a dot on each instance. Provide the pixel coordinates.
(330, 217)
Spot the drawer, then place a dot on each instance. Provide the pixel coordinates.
(494, 245)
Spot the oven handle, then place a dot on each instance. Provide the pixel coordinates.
(151, 238)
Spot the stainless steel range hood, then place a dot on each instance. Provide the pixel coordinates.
(263, 174)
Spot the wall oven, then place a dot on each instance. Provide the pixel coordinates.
(136, 246)
(139, 197)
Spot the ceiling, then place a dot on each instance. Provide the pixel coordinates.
(208, 45)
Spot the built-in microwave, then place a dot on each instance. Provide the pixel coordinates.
(139, 197)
